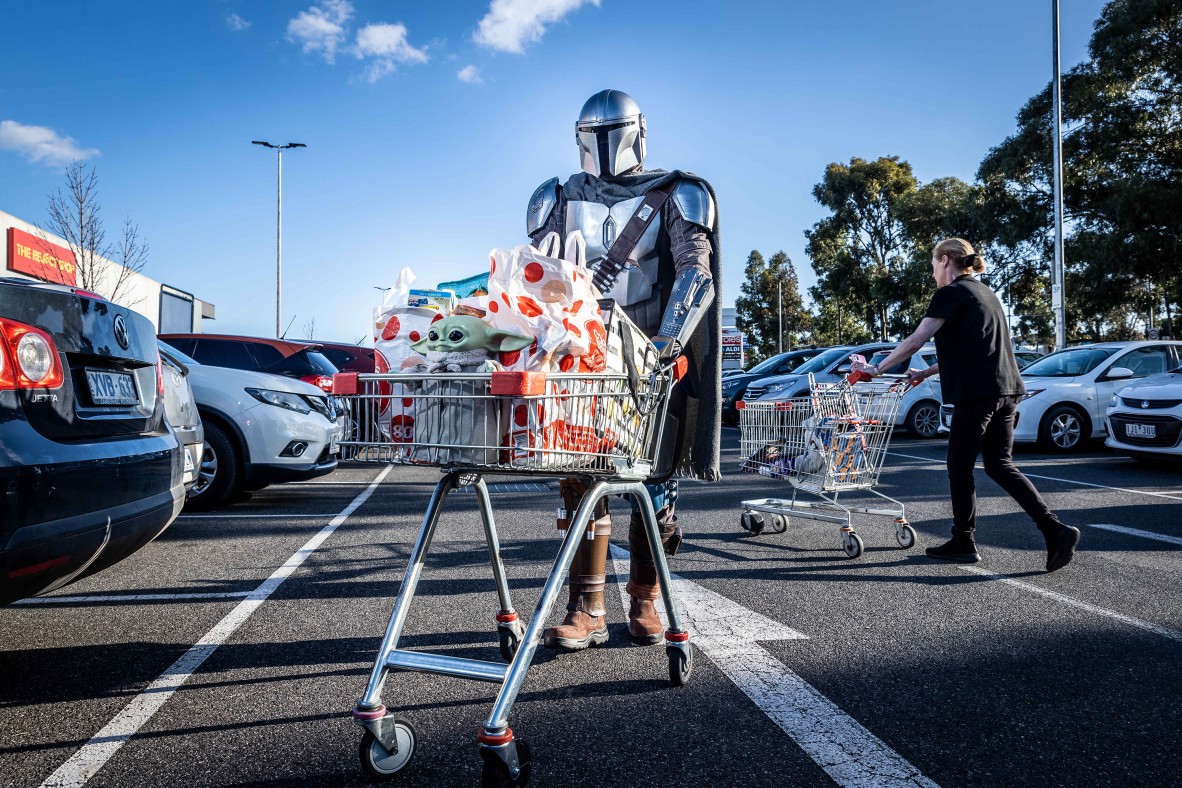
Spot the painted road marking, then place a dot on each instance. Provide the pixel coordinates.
(1120, 529)
(727, 632)
(249, 516)
(1064, 481)
(93, 755)
(74, 600)
(1066, 600)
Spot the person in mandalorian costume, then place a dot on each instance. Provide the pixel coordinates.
(652, 246)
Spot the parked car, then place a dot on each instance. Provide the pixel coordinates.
(919, 410)
(1027, 357)
(1068, 391)
(89, 468)
(180, 408)
(734, 386)
(260, 429)
(1145, 419)
(291, 359)
(344, 356)
(829, 367)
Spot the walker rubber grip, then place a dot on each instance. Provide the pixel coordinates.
(344, 383)
(518, 384)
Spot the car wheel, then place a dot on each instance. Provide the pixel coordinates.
(1063, 430)
(924, 419)
(220, 474)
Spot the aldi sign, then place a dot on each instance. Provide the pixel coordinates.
(39, 258)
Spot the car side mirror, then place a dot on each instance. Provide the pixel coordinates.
(1119, 373)
(846, 369)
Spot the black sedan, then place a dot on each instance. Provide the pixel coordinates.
(89, 468)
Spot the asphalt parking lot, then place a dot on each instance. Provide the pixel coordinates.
(230, 651)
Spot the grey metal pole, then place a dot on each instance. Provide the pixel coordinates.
(1057, 292)
(279, 247)
(780, 312)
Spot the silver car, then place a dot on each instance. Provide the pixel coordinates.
(180, 408)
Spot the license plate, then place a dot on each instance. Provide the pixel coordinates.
(189, 460)
(1140, 430)
(111, 388)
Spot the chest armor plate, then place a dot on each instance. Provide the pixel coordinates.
(636, 287)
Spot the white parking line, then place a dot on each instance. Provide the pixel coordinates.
(1064, 481)
(73, 600)
(1066, 600)
(93, 755)
(727, 632)
(231, 516)
(1120, 529)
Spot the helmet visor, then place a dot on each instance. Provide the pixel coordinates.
(603, 143)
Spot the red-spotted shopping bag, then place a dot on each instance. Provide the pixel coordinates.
(536, 292)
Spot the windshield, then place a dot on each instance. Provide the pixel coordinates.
(818, 363)
(900, 367)
(767, 365)
(188, 361)
(1068, 363)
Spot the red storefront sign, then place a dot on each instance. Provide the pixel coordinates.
(37, 257)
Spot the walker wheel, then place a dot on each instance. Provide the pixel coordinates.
(906, 535)
(495, 772)
(681, 664)
(779, 523)
(382, 764)
(753, 522)
(852, 544)
(510, 642)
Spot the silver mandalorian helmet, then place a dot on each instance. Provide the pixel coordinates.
(610, 133)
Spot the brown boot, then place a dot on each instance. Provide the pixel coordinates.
(583, 626)
(644, 625)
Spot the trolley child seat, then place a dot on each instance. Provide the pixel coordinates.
(602, 428)
(830, 442)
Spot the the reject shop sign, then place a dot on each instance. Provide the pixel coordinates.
(37, 257)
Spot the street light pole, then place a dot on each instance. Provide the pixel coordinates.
(780, 311)
(279, 227)
(1057, 293)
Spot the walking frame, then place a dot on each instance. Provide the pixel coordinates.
(603, 429)
(833, 441)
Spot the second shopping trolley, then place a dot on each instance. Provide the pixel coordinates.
(830, 443)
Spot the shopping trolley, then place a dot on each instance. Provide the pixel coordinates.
(604, 429)
(831, 442)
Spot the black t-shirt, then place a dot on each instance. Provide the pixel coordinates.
(973, 346)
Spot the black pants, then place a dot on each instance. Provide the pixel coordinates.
(986, 427)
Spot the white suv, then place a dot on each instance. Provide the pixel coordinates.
(259, 429)
(1067, 392)
(919, 410)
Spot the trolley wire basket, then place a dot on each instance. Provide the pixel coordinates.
(605, 429)
(835, 440)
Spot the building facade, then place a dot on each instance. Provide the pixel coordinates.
(32, 253)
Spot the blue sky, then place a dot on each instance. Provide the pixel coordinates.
(429, 125)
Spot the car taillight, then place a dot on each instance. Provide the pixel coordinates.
(28, 358)
(88, 294)
(323, 382)
(159, 376)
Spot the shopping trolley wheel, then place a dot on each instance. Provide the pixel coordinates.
(852, 544)
(906, 535)
(510, 642)
(681, 664)
(496, 774)
(753, 522)
(779, 523)
(380, 762)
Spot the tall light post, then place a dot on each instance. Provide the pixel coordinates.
(279, 226)
(1057, 291)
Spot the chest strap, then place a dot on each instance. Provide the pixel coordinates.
(612, 265)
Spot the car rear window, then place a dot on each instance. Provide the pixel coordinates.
(265, 355)
(224, 353)
(305, 362)
(339, 358)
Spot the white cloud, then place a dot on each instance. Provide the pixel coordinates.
(510, 25)
(322, 28)
(470, 74)
(41, 145)
(386, 43)
(236, 23)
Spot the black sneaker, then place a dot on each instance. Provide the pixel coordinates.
(1061, 547)
(959, 550)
